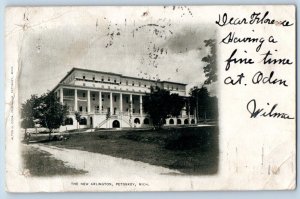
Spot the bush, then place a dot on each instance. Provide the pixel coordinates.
(181, 141)
(103, 137)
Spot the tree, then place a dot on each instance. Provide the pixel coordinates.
(160, 104)
(206, 106)
(210, 69)
(50, 112)
(77, 117)
(28, 112)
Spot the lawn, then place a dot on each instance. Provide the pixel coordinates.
(40, 163)
(191, 150)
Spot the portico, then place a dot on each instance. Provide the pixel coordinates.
(101, 102)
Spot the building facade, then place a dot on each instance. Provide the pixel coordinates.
(110, 100)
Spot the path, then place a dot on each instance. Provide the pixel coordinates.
(97, 164)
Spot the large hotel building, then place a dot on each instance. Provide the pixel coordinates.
(110, 100)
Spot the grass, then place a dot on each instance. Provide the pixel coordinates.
(40, 163)
(191, 150)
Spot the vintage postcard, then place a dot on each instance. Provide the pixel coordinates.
(161, 98)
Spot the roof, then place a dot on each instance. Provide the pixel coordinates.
(109, 73)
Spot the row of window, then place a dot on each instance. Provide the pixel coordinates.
(127, 82)
(108, 97)
(108, 109)
(186, 121)
(83, 121)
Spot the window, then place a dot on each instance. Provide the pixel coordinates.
(83, 121)
(115, 98)
(132, 83)
(69, 121)
(108, 79)
(80, 108)
(108, 96)
(178, 121)
(102, 79)
(93, 97)
(83, 94)
(126, 82)
(137, 121)
(186, 121)
(171, 121)
(83, 77)
(127, 100)
(133, 110)
(115, 80)
(177, 88)
(93, 78)
(145, 85)
(139, 83)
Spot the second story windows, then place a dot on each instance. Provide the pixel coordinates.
(108, 79)
(83, 94)
(132, 83)
(83, 77)
(102, 79)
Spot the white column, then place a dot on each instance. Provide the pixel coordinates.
(61, 95)
(130, 106)
(100, 102)
(89, 100)
(121, 103)
(141, 105)
(111, 103)
(75, 100)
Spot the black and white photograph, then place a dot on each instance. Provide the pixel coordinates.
(141, 92)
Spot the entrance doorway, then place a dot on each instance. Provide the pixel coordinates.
(116, 124)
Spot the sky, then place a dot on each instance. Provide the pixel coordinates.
(148, 47)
